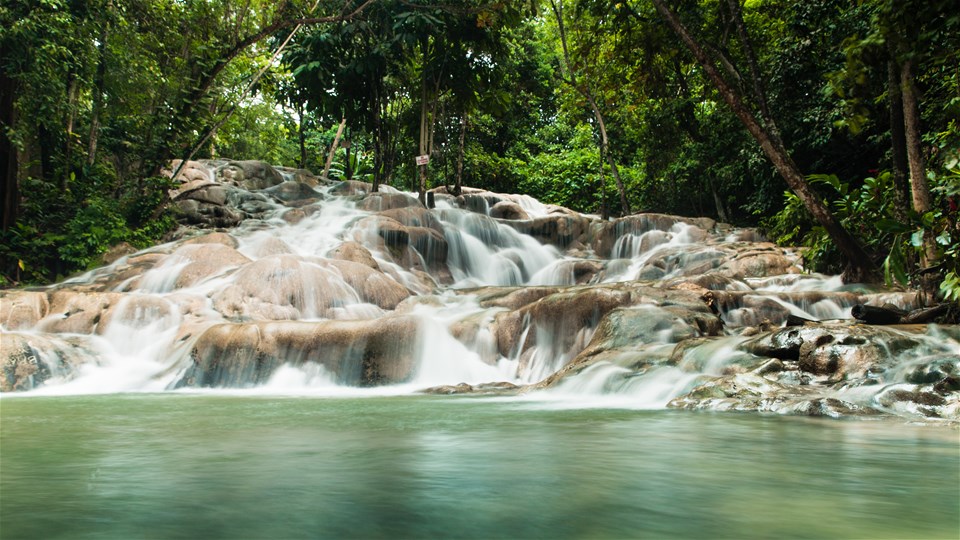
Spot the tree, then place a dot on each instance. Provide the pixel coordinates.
(765, 131)
(583, 88)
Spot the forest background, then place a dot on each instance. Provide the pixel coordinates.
(830, 124)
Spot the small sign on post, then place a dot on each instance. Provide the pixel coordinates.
(423, 160)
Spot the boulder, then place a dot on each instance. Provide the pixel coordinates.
(555, 230)
(357, 353)
(74, 312)
(288, 287)
(22, 310)
(508, 210)
(354, 252)
(249, 175)
(290, 191)
(378, 202)
(351, 187)
(605, 236)
(27, 361)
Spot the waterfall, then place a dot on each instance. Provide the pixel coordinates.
(345, 290)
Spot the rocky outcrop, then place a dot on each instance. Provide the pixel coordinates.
(22, 309)
(27, 361)
(357, 353)
(287, 287)
(361, 287)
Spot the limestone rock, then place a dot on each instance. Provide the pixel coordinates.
(27, 361)
(22, 310)
(508, 210)
(358, 353)
(77, 312)
(250, 175)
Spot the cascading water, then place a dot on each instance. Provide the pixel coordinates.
(340, 290)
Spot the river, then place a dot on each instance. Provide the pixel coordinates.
(202, 465)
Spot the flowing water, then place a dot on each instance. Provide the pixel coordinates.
(223, 466)
(136, 423)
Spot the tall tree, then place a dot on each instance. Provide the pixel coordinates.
(765, 131)
(582, 86)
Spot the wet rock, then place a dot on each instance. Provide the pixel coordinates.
(287, 287)
(221, 238)
(920, 400)
(378, 202)
(496, 388)
(249, 175)
(302, 176)
(784, 345)
(204, 261)
(73, 312)
(135, 312)
(555, 230)
(351, 187)
(512, 298)
(354, 252)
(372, 286)
(760, 261)
(193, 175)
(27, 361)
(415, 216)
(831, 407)
(117, 252)
(561, 316)
(358, 353)
(508, 210)
(606, 236)
(291, 191)
(22, 310)
(741, 391)
(478, 201)
(294, 216)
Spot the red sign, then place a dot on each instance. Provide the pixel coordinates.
(423, 160)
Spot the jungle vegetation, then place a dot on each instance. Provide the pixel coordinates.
(829, 124)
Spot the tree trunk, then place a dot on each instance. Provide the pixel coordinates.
(377, 112)
(860, 267)
(424, 138)
(333, 149)
(898, 142)
(605, 151)
(463, 135)
(717, 201)
(98, 90)
(586, 93)
(72, 89)
(918, 176)
(9, 166)
(301, 133)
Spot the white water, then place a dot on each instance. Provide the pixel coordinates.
(146, 344)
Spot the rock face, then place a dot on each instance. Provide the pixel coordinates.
(356, 353)
(275, 270)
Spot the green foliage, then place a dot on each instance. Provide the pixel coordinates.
(155, 76)
(62, 233)
(355, 165)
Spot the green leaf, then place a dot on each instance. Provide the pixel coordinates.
(951, 286)
(893, 226)
(894, 267)
(916, 239)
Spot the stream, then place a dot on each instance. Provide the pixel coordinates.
(228, 466)
(309, 360)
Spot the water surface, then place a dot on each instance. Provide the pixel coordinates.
(216, 466)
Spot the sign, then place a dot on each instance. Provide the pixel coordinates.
(423, 160)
